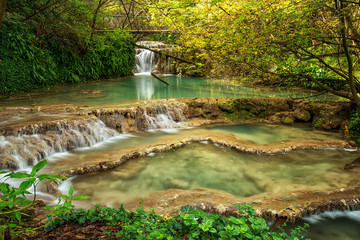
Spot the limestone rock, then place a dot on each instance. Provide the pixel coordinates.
(302, 115)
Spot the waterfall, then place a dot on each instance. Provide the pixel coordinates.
(21, 150)
(145, 60)
(148, 61)
(163, 119)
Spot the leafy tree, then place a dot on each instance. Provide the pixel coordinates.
(47, 42)
(314, 42)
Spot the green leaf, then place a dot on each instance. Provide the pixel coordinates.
(51, 177)
(80, 198)
(4, 187)
(18, 217)
(38, 167)
(187, 209)
(19, 175)
(71, 191)
(23, 186)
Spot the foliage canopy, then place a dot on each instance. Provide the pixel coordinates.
(314, 42)
(47, 42)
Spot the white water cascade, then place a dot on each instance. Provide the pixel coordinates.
(145, 60)
(163, 119)
(26, 149)
(148, 61)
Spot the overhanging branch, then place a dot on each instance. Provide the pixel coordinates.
(167, 55)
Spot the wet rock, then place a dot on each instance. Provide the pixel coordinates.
(302, 115)
(201, 107)
(282, 117)
(288, 119)
(8, 162)
(354, 164)
(329, 115)
(176, 183)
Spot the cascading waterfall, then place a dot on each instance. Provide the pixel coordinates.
(22, 150)
(156, 116)
(145, 60)
(148, 61)
(24, 146)
(164, 118)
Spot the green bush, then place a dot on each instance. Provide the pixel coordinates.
(29, 62)
(13, 201)
(354, 126)
(193, 224)
(138, 224)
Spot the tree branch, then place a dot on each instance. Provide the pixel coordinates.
(320, 84)
(2, 10)
(167, 55)
(348, 58)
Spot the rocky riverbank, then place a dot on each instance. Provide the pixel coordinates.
(31, 134)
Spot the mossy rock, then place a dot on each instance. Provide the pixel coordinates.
(288, 120)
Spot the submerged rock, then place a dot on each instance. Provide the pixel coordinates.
(354, 164)
(176, 183)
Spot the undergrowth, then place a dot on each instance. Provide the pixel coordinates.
(40, 50)
(125, 224)
(191, 224)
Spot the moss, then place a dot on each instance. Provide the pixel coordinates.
(318, 123)
(288, 120)
(226, 105)
(231, 116)
(245, 114)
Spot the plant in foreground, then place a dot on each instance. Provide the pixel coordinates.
(124, 224)
(13, 200)
(192, 224)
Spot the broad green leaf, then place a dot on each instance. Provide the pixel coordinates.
(4, 187)
(38, 167)
(23, 186)
(187, 209)
(80, 198)
(19, 175)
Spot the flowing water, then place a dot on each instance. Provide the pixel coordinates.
(146, 87)
(254, 133)
(333, 226)
(193, 166)
(148, 61)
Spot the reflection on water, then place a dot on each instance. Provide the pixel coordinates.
(146, 87)
(207, 166)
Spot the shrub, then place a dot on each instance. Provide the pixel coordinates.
(354, 126)
(193, 224)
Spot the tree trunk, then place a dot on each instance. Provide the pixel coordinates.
(93, 24)
(2, 10)
(350, 63)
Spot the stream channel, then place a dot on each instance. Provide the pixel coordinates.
(212, 171)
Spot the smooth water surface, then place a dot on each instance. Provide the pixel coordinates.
(208, 166)
(144, 87)
(266, 134)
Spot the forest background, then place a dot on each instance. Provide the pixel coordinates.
(307, 43)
